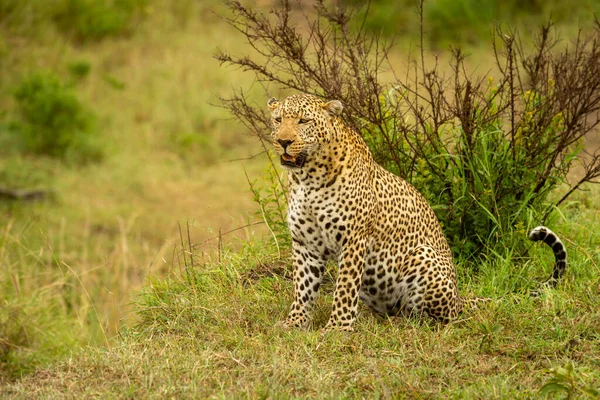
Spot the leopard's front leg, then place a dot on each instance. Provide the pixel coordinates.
(345, 299)
(308, 266)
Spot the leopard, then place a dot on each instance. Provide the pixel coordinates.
(388, 243)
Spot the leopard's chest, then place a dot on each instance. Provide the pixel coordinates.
(319, 219)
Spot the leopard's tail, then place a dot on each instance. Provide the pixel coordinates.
(560, 253)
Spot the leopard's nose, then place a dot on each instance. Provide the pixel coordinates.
(285, 143)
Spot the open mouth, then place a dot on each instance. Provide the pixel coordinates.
(291, 161)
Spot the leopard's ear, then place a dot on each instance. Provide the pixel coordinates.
(273, 103)
(333, 107)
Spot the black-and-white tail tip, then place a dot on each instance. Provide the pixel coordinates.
(560, 253)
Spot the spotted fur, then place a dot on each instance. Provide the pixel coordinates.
(560, 254)
(387, 241)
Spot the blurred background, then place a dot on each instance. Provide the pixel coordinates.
(113, 142)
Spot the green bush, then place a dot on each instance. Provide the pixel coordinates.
(484, 182)
(97, 19)
(79, 69)
(53, 121)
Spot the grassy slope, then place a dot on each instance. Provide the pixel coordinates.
(212, 334)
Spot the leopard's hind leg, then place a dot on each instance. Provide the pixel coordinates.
(428, 286)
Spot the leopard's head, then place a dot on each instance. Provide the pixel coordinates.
(302, 125)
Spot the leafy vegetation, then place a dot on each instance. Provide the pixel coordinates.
(565, 379)
(53, 122)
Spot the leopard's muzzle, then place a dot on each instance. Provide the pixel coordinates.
(291, 161)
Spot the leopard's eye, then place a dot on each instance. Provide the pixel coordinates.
(303, 121)
(278, 120)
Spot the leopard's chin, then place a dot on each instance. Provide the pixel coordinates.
(293, 161)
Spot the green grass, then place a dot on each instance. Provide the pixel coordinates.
(209, 330)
